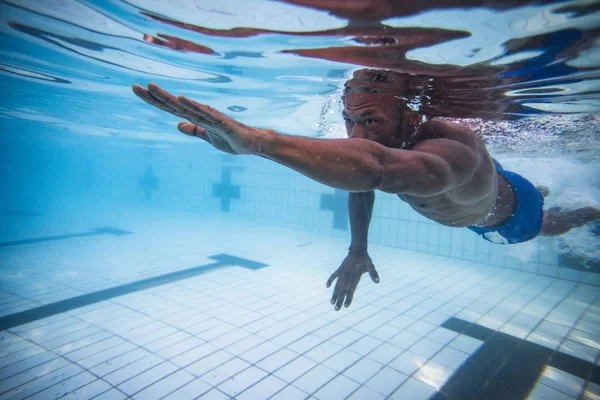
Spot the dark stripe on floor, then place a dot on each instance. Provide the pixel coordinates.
(504, 366)
(93, 232)
(222, 260)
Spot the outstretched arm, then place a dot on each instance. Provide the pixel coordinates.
(355, 165)
(358, 261)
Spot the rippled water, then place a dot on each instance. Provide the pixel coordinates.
(281, 63)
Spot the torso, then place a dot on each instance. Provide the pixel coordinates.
(485, 200)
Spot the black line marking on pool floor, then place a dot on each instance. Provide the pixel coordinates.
(34, 314)
(504, 366)
(93, 232)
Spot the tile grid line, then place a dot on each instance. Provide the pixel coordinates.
(126, 340)
(455, 296)
(50, 372)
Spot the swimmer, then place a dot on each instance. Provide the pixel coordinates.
(440, 168)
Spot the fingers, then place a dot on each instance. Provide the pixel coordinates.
(373, 274)
(332, 278)
(340, 300)
(166, 97)
(148, 98)
(349, 296)
(192, 130)
(336, 290)
(206, 112)
(344, 289)
(350, 289)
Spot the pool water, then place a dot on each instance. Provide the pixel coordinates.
(136, 262)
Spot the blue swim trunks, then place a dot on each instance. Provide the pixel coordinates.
(527, 218)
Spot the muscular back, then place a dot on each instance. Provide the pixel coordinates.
(473, 197)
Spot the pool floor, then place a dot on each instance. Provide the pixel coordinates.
(181, 306)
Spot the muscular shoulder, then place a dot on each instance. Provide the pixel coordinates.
(441, 129)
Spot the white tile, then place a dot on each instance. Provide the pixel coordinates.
(543, 392)
(165, 386)
(277, 360)
(347, 337)
(386, 381)
(260, 352)
(442, 335)
(426, 348)
(88, 391)
(290, 393)
(263, 389)
(192, 355)
(421, 328)
(339, 388)
(384, 332)
(289, 336)
(544, 339)
(364, 345)
(181, 347)
(167, 341)
(434, 374)
(133, 369)
(23, 354)
(305, 343)
(244, 345)
(314, 379)
(405, 339)
(402, 321)
(65, 386)
(342, 360)
(466, 344)
(295, 369)
(413, 389)
(107, 354)
(189, 391)
(113, 394)
(562, 381)
(215, 394)
(586, 338)
(240, 382)
(578, 350)
(323, 351)
(28, 387)
(515, 330)
(408, 363)
(209, 363)
(120, 361)
(27, 363)
(591, 392)
(450, 358)
(553, 328)
(147, 378)
(225, 371)
(366, 393)
(363, 370)
(385, 353)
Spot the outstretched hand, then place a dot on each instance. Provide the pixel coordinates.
(204, 122)
(348, 275)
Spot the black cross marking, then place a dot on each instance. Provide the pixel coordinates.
(34, 314)
(93, 232)
(225, 190)
(504, 366)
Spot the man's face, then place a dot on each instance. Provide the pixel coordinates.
(377, 117)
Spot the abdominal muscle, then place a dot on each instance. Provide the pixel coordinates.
(470, 204)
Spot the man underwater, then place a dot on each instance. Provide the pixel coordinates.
(440, 168)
